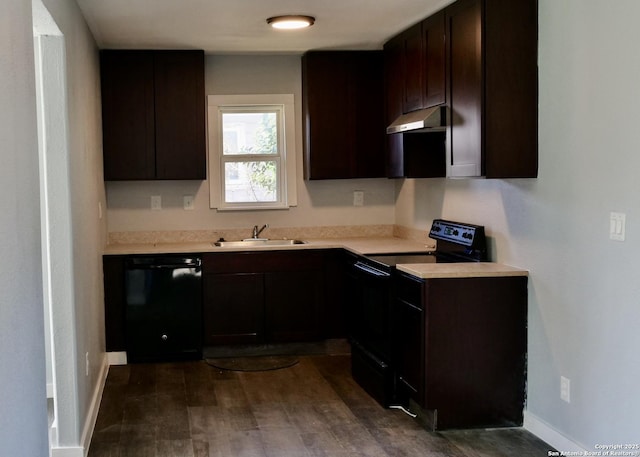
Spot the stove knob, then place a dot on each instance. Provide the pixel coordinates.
(455, 233)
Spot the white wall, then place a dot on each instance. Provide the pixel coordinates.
(584, 291)
(320, 203)
(23, 421)
(83, 319)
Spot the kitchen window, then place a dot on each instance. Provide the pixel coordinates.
(251, 151)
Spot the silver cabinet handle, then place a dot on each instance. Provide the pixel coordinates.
(370, 270)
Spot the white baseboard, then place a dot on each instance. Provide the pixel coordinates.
(94, 407)
(548, 434)
(67, 452)
(117, 358)
(50, 392)
(92, 416)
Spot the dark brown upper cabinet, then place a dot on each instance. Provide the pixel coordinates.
(153, 115)
(434, 64)
(479, 57)
(343, 114)
(415, 78)
(413, 69)
(423, 64)
(394, 104)
(493, 88)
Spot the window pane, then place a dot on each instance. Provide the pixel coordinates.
(251, 181)
(249, 133)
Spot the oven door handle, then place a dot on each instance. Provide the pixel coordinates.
(370, 270)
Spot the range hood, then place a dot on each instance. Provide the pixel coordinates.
(425, 120)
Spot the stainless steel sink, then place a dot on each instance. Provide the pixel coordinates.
(248, 243)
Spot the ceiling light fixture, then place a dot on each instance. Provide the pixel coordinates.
(291, 21)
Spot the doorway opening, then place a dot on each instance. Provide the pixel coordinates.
(56, 233)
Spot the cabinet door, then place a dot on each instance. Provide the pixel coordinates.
(114, 302)
(511, 89)
(424, 64)
(180, 115)
(328, 133)
(409, 322)
(367, 86)
(343, 109)
(433, 33)
(466, 88)
(128, 120)
(394, 102)
(233, 308)
(292, 303)
(334, 306)
(413, 61)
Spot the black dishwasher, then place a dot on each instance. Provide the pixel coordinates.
(163, 308)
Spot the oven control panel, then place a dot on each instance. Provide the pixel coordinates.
(455, 232)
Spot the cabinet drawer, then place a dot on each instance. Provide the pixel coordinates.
(262, 262)
(409, 289)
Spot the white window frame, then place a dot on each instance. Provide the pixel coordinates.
(218, 104)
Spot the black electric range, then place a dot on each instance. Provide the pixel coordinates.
(457, 242)
(371, 297)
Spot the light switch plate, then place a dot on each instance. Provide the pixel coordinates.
(358, 198)
(565, 389)
(617, 222)
(156, 202)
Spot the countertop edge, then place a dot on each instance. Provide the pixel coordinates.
(360, 246)
(461, 270)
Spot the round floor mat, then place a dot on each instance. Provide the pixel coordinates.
(258, 363)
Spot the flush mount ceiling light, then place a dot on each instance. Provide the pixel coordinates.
(291, 22)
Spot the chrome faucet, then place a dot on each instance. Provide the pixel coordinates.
(257, 232)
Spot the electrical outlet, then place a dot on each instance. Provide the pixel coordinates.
(187, 202)
(358, 198)
(156, 202)
(565, 389)
(86, 364)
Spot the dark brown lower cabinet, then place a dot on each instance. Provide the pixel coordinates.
(460, 349)
(250, 297)
(292, 305)
(114, 302)
(259, 297)
(234, 308)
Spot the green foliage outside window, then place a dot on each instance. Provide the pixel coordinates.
(262, 174)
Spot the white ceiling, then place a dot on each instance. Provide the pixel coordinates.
(239, 26)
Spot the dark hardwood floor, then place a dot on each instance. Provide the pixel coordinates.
(314, 408)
